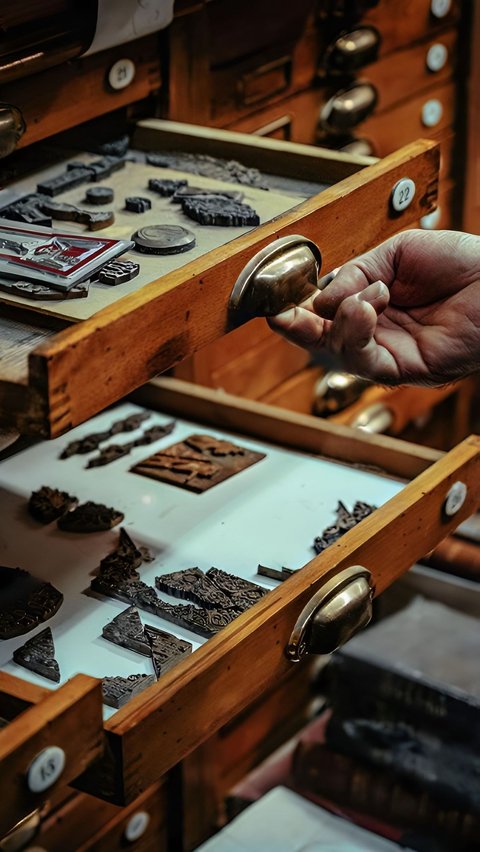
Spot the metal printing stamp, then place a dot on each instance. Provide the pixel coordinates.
(230, 171)
(163, 239)
(40, 292)
(166, 649)
(193, 585)
(136, 204)
(166, 188)
(118, 272)
(116, 691)
(127, 630)
(217, 211)
(38, 655)
(99, 195)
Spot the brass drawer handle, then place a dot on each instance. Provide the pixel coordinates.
(12, 127)
(278, 277)
(352, 50)
(348, 107)
(341, 607)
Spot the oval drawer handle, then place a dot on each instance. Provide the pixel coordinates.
(348, 107)
(12, 127)
(353, 50)
(341, 607)
(278, 277)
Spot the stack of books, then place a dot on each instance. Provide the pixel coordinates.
(402, 742)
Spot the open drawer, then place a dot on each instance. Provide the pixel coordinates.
(47, 739)
(269, 512)
(57, 372)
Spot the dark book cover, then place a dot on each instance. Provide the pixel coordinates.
(319, 771)
(421, 666)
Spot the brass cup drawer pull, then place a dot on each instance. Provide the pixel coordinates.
(348, 107)
(341, 607)
(12, 128)
(278, 277)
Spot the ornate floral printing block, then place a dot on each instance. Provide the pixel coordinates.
(25, 602)
(38, 655)
(90, 517)
(117, 691)
(49, 504)
(243, 593)
(193, 585)
(197, 471)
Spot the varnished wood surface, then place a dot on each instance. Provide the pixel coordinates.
(149, 331)
(404, 22)
(70, 717)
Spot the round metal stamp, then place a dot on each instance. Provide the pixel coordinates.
(99, 195)
(163, 239)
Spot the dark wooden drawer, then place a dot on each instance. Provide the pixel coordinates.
(397, 126)
(402, 23)
(401, 75)
(46, 384)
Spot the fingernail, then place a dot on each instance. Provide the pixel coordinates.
(373, 291)
(286, 317)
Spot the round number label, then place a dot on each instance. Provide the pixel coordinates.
(121, 74)
(45, 769)
(431, 220)
(432, 112)
(455, 498)
(437, 55)
(403, 194)
(136, 826)
(440, 8)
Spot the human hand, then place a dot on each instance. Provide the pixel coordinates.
(406, 312)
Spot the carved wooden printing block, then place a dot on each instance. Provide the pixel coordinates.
(38, 655)
(49, 504)
(345, 521)
(25, 602)
(197, 463)
(116, 691)
(90, 517)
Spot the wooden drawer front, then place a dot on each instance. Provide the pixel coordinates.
(63, 98)
(294, 118)
(247, 658)
(158, 326)
(401, 22)
(241, 87)
(399, 76)
(70, 719)
(101, 827)
(387, 130)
